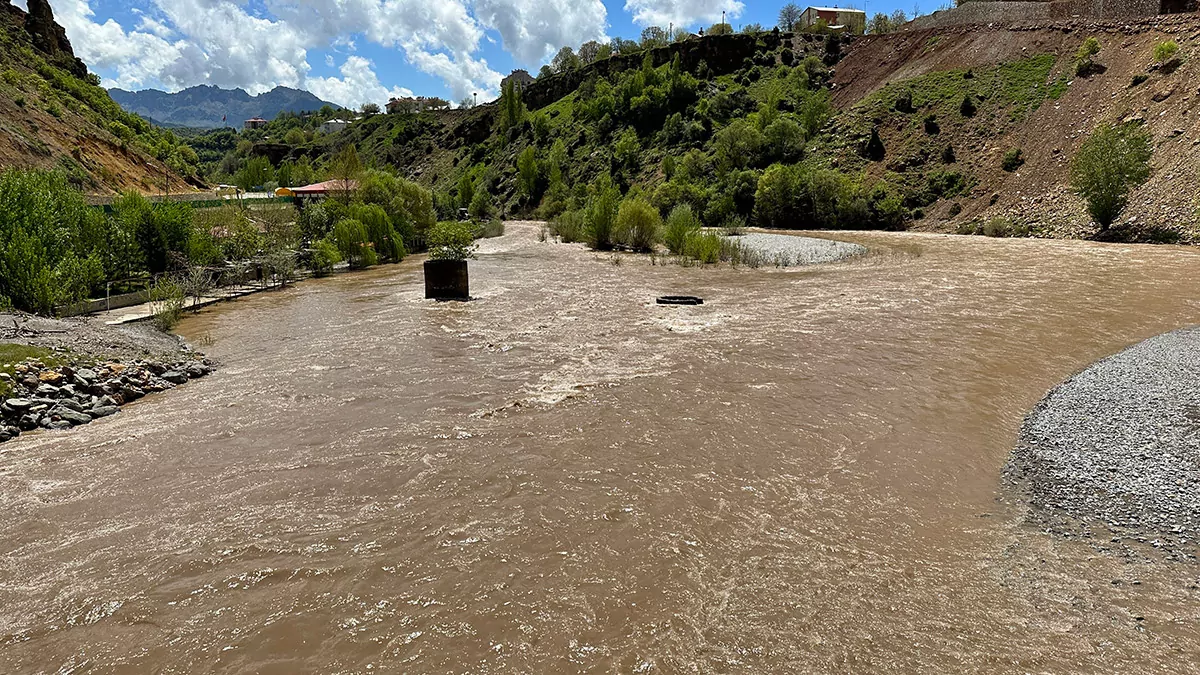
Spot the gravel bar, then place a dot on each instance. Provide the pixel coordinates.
(787, 250)
(1114, 452)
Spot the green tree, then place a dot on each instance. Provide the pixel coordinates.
(354, 243)
(481, 207)
(528, 171)
(789, 17)
(680, 225)
(466, 190)
(564, 60)
(601, 213)
(1110, 163)
(512, 108)
(638, 224)
(452, 241)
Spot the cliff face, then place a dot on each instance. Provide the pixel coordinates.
(47, 36)
(53, 116)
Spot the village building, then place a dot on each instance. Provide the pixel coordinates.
(520, 79)
(254, 123)
(319, 191)
(333, 126)
(836, 18)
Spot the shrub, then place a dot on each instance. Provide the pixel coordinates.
(948, 155)
(1165, 51)
(967, 107)
(1005, 227)
(166, 301)
(490, 229)
(1138, 79)
(681, 223)
(705, 247)
(569, 226)
(638, 224)
(1112, 161)
(452, 241)
(1012, 160)
(325, 255)
(601, 214)
(1084, 63)
(481, 206)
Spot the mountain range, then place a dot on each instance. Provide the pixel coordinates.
(204, 106)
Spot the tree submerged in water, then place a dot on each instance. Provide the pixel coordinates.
(452, 241)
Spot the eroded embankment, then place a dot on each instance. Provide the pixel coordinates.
(1113, 453)
(80, 370)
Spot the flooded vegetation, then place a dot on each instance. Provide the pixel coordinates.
(802, 474)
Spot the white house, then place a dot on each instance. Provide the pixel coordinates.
(334, 126)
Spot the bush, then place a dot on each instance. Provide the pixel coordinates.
(601, 215)
(1165, 51)
(967, 108)
(1084, 63)
(1138, 79)
(638, 224)
(1012, 160)
(490, 229)
(325, 255)
(452, 241)
(570, 226)
(681, 223)
(705, 247)
(481, 206)
(166, 301)
(1111, 162)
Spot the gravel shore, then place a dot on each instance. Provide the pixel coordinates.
(787, 250)
(1113, 454)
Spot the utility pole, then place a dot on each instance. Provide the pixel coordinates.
(722, 17)
(476, 95)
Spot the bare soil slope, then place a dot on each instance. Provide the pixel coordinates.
(1038, 193)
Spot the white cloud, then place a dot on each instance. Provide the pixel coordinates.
(534, 30)
(358, 85)
(181, 43)
(681, 12)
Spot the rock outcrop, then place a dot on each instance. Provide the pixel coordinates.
(50, 38)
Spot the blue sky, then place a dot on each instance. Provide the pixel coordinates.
(357, 51)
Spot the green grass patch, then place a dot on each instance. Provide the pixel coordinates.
(11, 354)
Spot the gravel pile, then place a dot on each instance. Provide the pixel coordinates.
(1117, 448)
(785, 250)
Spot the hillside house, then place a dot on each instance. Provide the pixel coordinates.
(333, 126)
(837, 18)
(519, 79)
(254, 123)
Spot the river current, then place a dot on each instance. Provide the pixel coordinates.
(800, 475)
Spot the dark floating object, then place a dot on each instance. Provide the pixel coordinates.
(680, 300)
(447, 280)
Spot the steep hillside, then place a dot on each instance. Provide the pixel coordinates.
(1132, 86)
(204, 106)
(54, 114)
(961, 129)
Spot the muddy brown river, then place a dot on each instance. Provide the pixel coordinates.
(801, 475)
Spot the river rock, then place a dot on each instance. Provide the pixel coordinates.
(75, 417)
(58, 425)
(197, 370)
(50, 377)
(72, 404)
(103, 411)
(16, 405)
(85, 377)
(175, 377)
(46, 391)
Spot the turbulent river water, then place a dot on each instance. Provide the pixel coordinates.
(801, 475)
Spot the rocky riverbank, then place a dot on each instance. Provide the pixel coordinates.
(77, 371)
(1112, 455)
